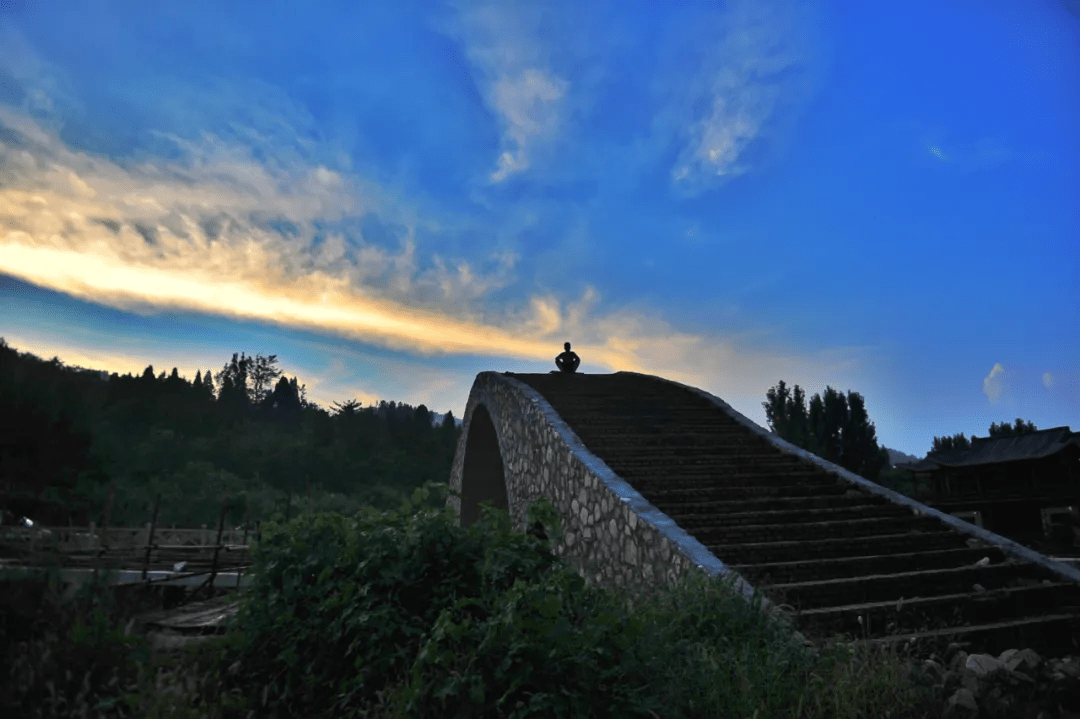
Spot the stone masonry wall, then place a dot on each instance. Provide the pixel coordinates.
(612, 536)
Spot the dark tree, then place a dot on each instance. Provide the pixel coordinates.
(65, 435)
(836, 427)
(301, 392)
(776, 408)
(944, 444)
(284, 402)
(234, 381)
(348, 409)
(263, 374)
(422, 418)
(175, 384)
(208, 386)
(1014, 430)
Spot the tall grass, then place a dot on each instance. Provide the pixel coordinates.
(405, 614)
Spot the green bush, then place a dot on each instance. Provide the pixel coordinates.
(66, 657)
(341, 606)
(554, 648)
(405, 614)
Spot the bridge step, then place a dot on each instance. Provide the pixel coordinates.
(910, 614)
(1053, 634)
(735, 506)
(791, 517)
(736, 492)
(673, 474)
(692, 476)
(892, 586)
(788, 551)
(805, 570)
(805, 537)
(813, 531)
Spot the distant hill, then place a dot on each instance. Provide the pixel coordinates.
(436, 419)
(896, 457)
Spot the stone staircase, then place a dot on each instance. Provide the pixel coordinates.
(809, 540)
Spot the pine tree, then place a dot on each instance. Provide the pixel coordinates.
(208, 386)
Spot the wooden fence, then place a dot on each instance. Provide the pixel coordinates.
(93, 537)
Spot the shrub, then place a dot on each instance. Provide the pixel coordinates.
(66, 657)
(341, 606)
(554, 648)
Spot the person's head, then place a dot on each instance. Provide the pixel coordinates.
(566, 346)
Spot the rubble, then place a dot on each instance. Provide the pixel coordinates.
(1017, 684)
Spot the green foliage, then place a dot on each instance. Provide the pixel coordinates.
(403, 614)
(66, 657)
(550, 648)
(341, 605)
(834, 426)
(77, 432)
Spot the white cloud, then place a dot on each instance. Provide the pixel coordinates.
(514, 70)
(529, 105)
(749, 80)
(1047, 380)
(184, 234)
(994, 383)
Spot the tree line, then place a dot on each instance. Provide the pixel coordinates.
(247, 433)
(836, 427)
(832, 425)
(1004, 429)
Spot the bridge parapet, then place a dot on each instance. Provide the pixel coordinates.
(515, 448)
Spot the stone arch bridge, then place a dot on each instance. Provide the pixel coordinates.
(654, 479)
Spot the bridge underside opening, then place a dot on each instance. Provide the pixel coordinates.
(482, 477)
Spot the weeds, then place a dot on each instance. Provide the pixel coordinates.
(405, 614)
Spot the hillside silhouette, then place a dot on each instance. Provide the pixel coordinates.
(246, 434)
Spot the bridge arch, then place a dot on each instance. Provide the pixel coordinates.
(482, 475)
(515, 448)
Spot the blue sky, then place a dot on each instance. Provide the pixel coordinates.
(393, 197)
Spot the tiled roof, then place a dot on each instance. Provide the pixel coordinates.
(987, 450)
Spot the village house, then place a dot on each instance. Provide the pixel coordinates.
(1010, 485)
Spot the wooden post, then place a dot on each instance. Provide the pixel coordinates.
(217, 547)
(105, 517)
(104, 528)
(150, 535)
(247, 525)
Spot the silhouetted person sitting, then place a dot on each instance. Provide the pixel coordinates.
(568, 361)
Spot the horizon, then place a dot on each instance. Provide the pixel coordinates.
(436, 416)
(880, 199)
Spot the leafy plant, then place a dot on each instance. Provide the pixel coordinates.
(66, 657)
(341, 605)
